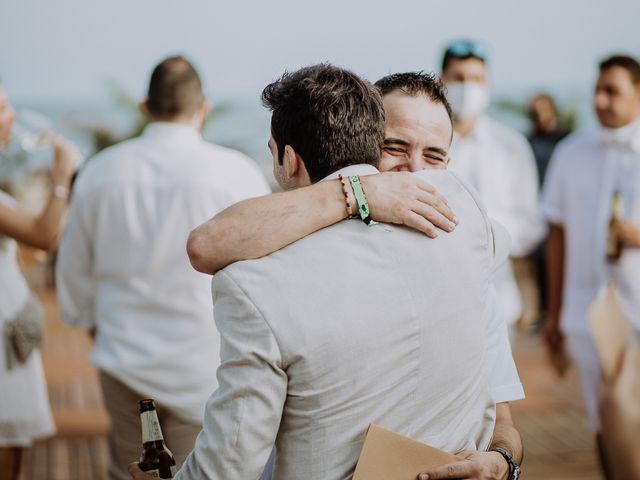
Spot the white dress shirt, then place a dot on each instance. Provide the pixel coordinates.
(123, 265)
(585, 171)
(348, 326)
(499, 163)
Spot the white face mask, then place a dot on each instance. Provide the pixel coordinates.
(468, 99)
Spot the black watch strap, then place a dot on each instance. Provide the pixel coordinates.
(514, 468)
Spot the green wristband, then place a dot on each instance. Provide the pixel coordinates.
(361, 200)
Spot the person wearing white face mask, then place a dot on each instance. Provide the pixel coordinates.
(585, 172)
(494, 159)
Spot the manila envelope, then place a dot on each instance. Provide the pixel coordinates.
(389, 456)
(610, 328)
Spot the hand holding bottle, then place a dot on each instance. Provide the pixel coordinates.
(628, 233)
(137, 474)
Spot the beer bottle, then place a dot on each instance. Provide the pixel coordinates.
(156, 459)
(614, 243)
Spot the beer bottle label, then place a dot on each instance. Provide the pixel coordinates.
(153, 473)
(151, 431)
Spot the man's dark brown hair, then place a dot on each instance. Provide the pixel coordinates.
(414, 84)
(329, 116)
(630, 64)
(175, 89)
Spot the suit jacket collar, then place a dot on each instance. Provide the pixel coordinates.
(359, 169)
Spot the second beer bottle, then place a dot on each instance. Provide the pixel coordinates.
(156, 459)
(614, 242)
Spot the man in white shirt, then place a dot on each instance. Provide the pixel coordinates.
(585, 172)
(326, 399)
(494, 159)
(123, 270)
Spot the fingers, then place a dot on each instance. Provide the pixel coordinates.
(437, 213)
(136, 473)
(430, 196)
(464, 469)
(420, 223)
(66, 159)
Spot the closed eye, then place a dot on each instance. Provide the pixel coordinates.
(394, 150)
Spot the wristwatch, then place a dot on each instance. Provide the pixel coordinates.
(514, 468)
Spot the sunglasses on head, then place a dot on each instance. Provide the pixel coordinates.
(465, 49)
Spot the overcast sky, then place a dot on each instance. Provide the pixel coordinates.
(67, 50)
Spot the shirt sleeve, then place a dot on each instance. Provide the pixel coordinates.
(504, 380)
(502, 374)
(501, 244)
(75, 282)
(242, 417)
(553, 194)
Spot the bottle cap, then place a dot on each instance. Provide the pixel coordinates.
(147, 405)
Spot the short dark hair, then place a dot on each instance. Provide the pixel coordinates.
(175, 89)
(417, 83)
(463, 49)
(328, 115)
(630, 64)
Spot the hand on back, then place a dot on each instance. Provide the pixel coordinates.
(403, 199)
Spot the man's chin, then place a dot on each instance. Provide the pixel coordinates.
(607, 120)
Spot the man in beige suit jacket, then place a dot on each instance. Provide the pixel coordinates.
(353, 324)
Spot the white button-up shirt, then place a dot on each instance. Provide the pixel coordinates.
(123, 265)
(585, 171)
(498, 162)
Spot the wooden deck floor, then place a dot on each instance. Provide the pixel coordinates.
(557, 444)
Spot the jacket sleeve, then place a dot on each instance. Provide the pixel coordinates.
(242, 417)
(515, 202)
(75, 282)
(502, 373)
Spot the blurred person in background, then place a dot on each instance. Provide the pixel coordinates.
(494, 159)
(620, 413)
(586, 171)
(546, 132)
(24, 405)
(123, 271)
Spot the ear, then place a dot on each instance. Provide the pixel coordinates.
(144, 107)
(295, 168)
(291, 162)
(205, 108)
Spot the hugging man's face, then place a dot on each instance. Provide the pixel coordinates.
(417, 133)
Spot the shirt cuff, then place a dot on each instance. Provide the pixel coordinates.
(553, 215)
(507, 393)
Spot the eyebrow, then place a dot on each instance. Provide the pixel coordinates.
(398, 141)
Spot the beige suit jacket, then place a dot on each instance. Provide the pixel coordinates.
(350, 326)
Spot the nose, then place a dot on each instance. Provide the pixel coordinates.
(601, 100)
(416, 163)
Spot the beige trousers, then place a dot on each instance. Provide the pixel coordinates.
(125, 438)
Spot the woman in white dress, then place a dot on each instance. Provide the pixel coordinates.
(24, 404)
